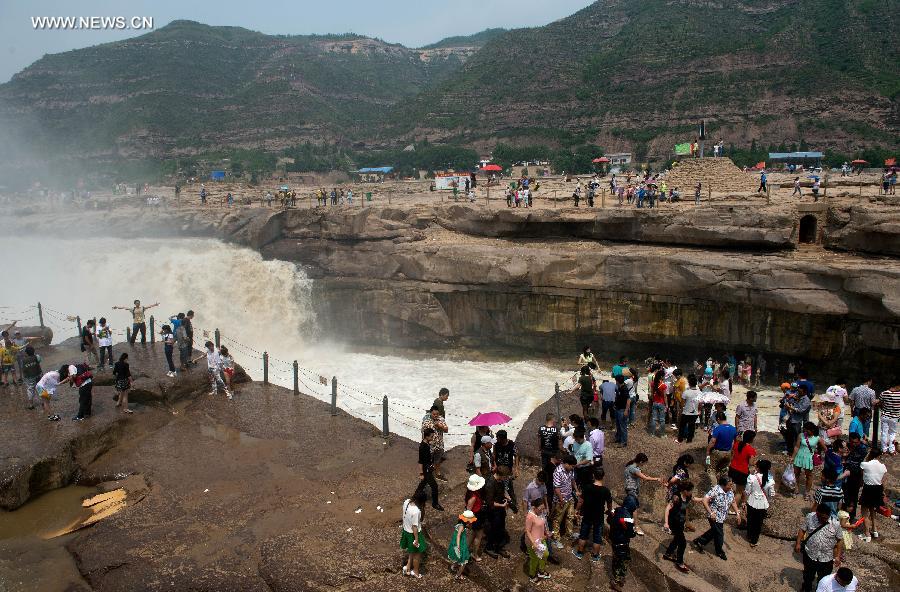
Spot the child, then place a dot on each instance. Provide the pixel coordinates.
(46, 388)
(122, 374)
(786, 395)
(227, 369)
(536, 542)
(621, 531)
(213, 368)
(104, 340)
(458, 549)
(168, 338)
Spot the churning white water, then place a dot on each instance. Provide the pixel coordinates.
(259, 306)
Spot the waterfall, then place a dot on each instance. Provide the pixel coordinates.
(262, 305)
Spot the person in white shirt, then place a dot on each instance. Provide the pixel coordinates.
(760, 491)
(872, 496)
(214, 369)
(842, 580)
(687, 423)
(104, 340)
(412, 539)
(47, 385)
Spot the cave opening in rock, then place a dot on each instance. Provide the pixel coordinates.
(808, 225)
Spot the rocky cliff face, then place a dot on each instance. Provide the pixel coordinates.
(549, 281)
(719, 277)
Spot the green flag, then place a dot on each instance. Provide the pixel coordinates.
(683, 149)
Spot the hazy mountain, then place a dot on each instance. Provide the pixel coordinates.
(631, 74)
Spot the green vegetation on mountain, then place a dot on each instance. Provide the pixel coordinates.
(474, 40)
(647, 71)
(632, 75)
(189, 85)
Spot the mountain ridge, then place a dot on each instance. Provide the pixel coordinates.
(620, 74)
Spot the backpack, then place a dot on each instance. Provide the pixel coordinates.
(83, 374)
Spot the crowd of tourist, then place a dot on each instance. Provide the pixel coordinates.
(21, 365)
(566, 503)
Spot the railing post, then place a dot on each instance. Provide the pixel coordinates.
(41, 314)
(384, 418)
(266, 367)
(296, 378)
(334, 395)
(128, 334)
(152, 330)
(876, 419)
(78, 321)
(558, 411)
(218, 339)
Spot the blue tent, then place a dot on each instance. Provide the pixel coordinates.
(383, 170)
(217, 175)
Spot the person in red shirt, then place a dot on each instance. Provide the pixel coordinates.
(658, 392)
(742, 456)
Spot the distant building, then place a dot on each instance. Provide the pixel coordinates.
(796, 158)
(619, 161)
(374, 174)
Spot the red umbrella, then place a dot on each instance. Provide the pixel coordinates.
(859, 161)
(492, 168)
(601, 159)
(489, 419)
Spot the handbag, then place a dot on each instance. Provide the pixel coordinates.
(833, 432)
(816, 457)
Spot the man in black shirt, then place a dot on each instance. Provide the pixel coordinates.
(496, 500)
(505, 456)
(426, 468)
(548, 435)
(593, 505)
(622, 405)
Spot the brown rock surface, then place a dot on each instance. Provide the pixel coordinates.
(729, 274)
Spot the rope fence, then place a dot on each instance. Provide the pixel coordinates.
(365, 405)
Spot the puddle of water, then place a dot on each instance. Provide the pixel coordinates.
(227, 435)
(48, 513)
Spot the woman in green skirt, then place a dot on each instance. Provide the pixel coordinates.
(458, 549)
(412, 540)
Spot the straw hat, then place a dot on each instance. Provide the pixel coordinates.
(475, 483)
(468, 516)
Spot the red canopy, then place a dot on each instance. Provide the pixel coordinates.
(492, 167)
(890, 162)
(601, 159)
(859, 161)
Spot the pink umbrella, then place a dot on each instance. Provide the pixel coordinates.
(489, 419)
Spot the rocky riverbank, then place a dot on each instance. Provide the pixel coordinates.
(270, 492)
